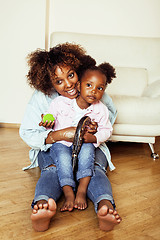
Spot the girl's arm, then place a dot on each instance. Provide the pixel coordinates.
(104, 129)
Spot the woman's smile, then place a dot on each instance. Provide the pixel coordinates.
(72, 92)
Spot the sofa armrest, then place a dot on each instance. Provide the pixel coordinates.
(152, 90)
(137, 110)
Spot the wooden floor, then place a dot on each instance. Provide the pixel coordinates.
(136, 189)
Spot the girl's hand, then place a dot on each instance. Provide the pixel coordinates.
(89, 138)
(92, 128)
(46, 124)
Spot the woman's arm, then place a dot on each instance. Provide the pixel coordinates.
(38, 137)
(107, 101)
(66, 134)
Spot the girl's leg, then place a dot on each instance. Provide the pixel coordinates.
(63, 159)
(86, 159)
(100, 193)
(47, 192)
(62, 156)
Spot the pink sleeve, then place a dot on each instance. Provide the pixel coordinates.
(105, 129)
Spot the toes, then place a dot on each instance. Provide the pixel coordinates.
(67, 207)
(52, 204)
(115, 212)
(103, 211)
(75, 205)
(82, 206)
(111, 211)
(35, 207)
(45, 205)
(40, 206)
(34, 211)
(117, 216)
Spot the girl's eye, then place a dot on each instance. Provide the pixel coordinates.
(88, 85)
(100, 88)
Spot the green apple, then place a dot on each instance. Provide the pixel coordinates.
(48, 117)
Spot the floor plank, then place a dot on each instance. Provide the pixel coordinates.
(136, 189)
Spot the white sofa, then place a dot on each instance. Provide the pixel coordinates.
(136, 91)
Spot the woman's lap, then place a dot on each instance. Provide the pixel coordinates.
(48, 185)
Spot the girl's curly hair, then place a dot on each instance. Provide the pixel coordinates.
(42, 64)
(105, 68)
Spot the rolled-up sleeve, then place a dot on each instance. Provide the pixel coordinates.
(30, 131)
(107, 101)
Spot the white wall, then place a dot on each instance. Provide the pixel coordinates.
(22, 25)
(110, 17)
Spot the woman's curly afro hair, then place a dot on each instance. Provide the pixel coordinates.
(42, 64)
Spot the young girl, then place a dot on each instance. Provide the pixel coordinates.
(68, 112)
(63, 61)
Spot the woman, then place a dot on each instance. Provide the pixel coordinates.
(56, 73)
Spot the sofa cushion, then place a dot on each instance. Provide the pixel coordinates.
(137, 110)
(129, 82)
(152, 90)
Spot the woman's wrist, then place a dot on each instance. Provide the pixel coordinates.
(51, 138)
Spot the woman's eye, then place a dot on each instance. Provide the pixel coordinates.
(71, 75)
(58, 82)
(88, 85)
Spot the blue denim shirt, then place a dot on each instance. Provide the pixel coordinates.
(34, 135)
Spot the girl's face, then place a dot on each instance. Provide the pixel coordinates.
(65, 81)
(92, 87)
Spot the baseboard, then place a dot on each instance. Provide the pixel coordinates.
(9, 125)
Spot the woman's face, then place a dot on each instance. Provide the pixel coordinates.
(64, 81)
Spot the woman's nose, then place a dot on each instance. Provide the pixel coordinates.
(68, 83)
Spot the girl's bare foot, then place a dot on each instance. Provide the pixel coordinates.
(80, 201)
(107, 218)
(42, 213)
(69, 199)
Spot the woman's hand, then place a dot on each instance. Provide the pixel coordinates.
(92, 128)
(46, 124)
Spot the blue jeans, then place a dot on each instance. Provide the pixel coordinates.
(62, 156)
(48, 185)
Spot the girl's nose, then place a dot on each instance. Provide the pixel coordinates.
(93, 90)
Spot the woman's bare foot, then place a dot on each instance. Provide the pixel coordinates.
(69, 199)
(42, 213)
(107, 218)
(80, 201)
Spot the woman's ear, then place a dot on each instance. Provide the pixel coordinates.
(78, 86)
